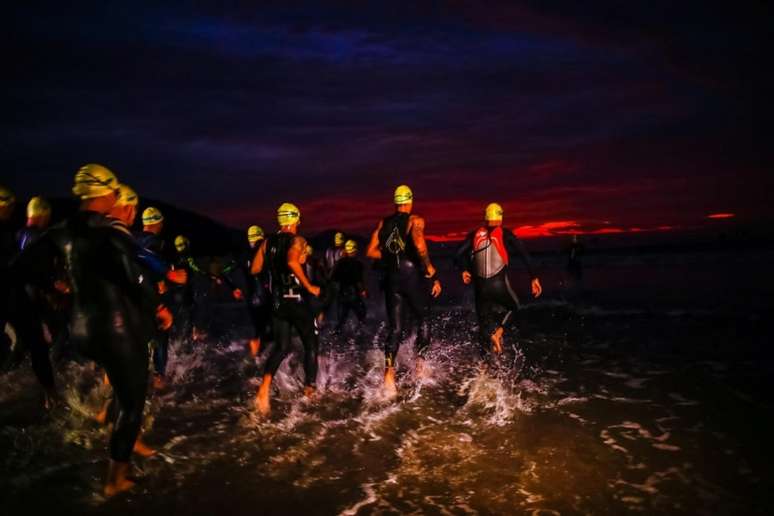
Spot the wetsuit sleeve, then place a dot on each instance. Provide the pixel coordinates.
(360, 277)
(463, 255)
(515, 246)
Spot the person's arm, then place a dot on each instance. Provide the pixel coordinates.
(373, 250)
(296, 251)
(418, 235)
(360, 284)
(462, 258)
(257, 266)
(417, 231)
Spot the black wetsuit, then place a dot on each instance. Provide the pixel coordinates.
(155, 244)
(485, 254)
(184, 296)
(290, 309)
(111, 307)
(348, 274)
(405, 285)
(257, 297)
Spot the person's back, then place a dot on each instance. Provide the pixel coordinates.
(105, 285)
(349, 274)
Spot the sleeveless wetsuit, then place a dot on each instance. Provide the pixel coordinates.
(405, 287)
(289, 309)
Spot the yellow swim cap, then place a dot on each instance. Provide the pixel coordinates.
(181, 243)
(94, 180)
(126, 196)
(338, 239)
(151, 216)
(6, 196)
(403, 195)
(288, 214)
(493, 212)
(254, 234)
(38, 207)
(350, 247)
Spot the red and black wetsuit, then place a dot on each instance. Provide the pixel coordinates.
(111, 307)
(405, 285)
(485, 254)
(290, 309)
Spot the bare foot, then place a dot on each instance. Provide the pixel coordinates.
(262, 398)
(158, 382)
(117, 481)
(101, 416)
(497, 340)
(142, 449)
(255, 347)
(389, 382)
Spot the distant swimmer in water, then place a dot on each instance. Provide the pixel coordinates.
(348, 274)
(111, 303)
(38, 219)
(484, 257)
(575, 259)
(283, 254)
(398, 243)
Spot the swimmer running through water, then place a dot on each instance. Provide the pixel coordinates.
(484, 257)
(111, 307)
(283, 254)
(398, 243)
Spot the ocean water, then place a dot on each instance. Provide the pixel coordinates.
(608, 400)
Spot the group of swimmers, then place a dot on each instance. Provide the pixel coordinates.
(91, 281)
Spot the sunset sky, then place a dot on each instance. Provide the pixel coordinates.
(650, 116)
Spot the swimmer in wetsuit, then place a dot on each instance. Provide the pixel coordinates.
(283, 255)
(151, 240)
(258, 297)
(111, 303)
(349, 275)
(484, 257)
(409, 278)
(38, 219)
(184, 296)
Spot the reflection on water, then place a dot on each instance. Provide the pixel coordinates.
(554, 427)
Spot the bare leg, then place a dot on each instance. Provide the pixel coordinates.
(262, 398)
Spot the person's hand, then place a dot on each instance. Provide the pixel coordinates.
(237, 293)
(161, 287)
(164, 318)
(177, 276)
(537, 289)
(430, 271)
(364, 294)
(466, 277)
(314, 290)
(436, 291)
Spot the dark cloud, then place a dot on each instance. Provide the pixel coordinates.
(641, 115)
